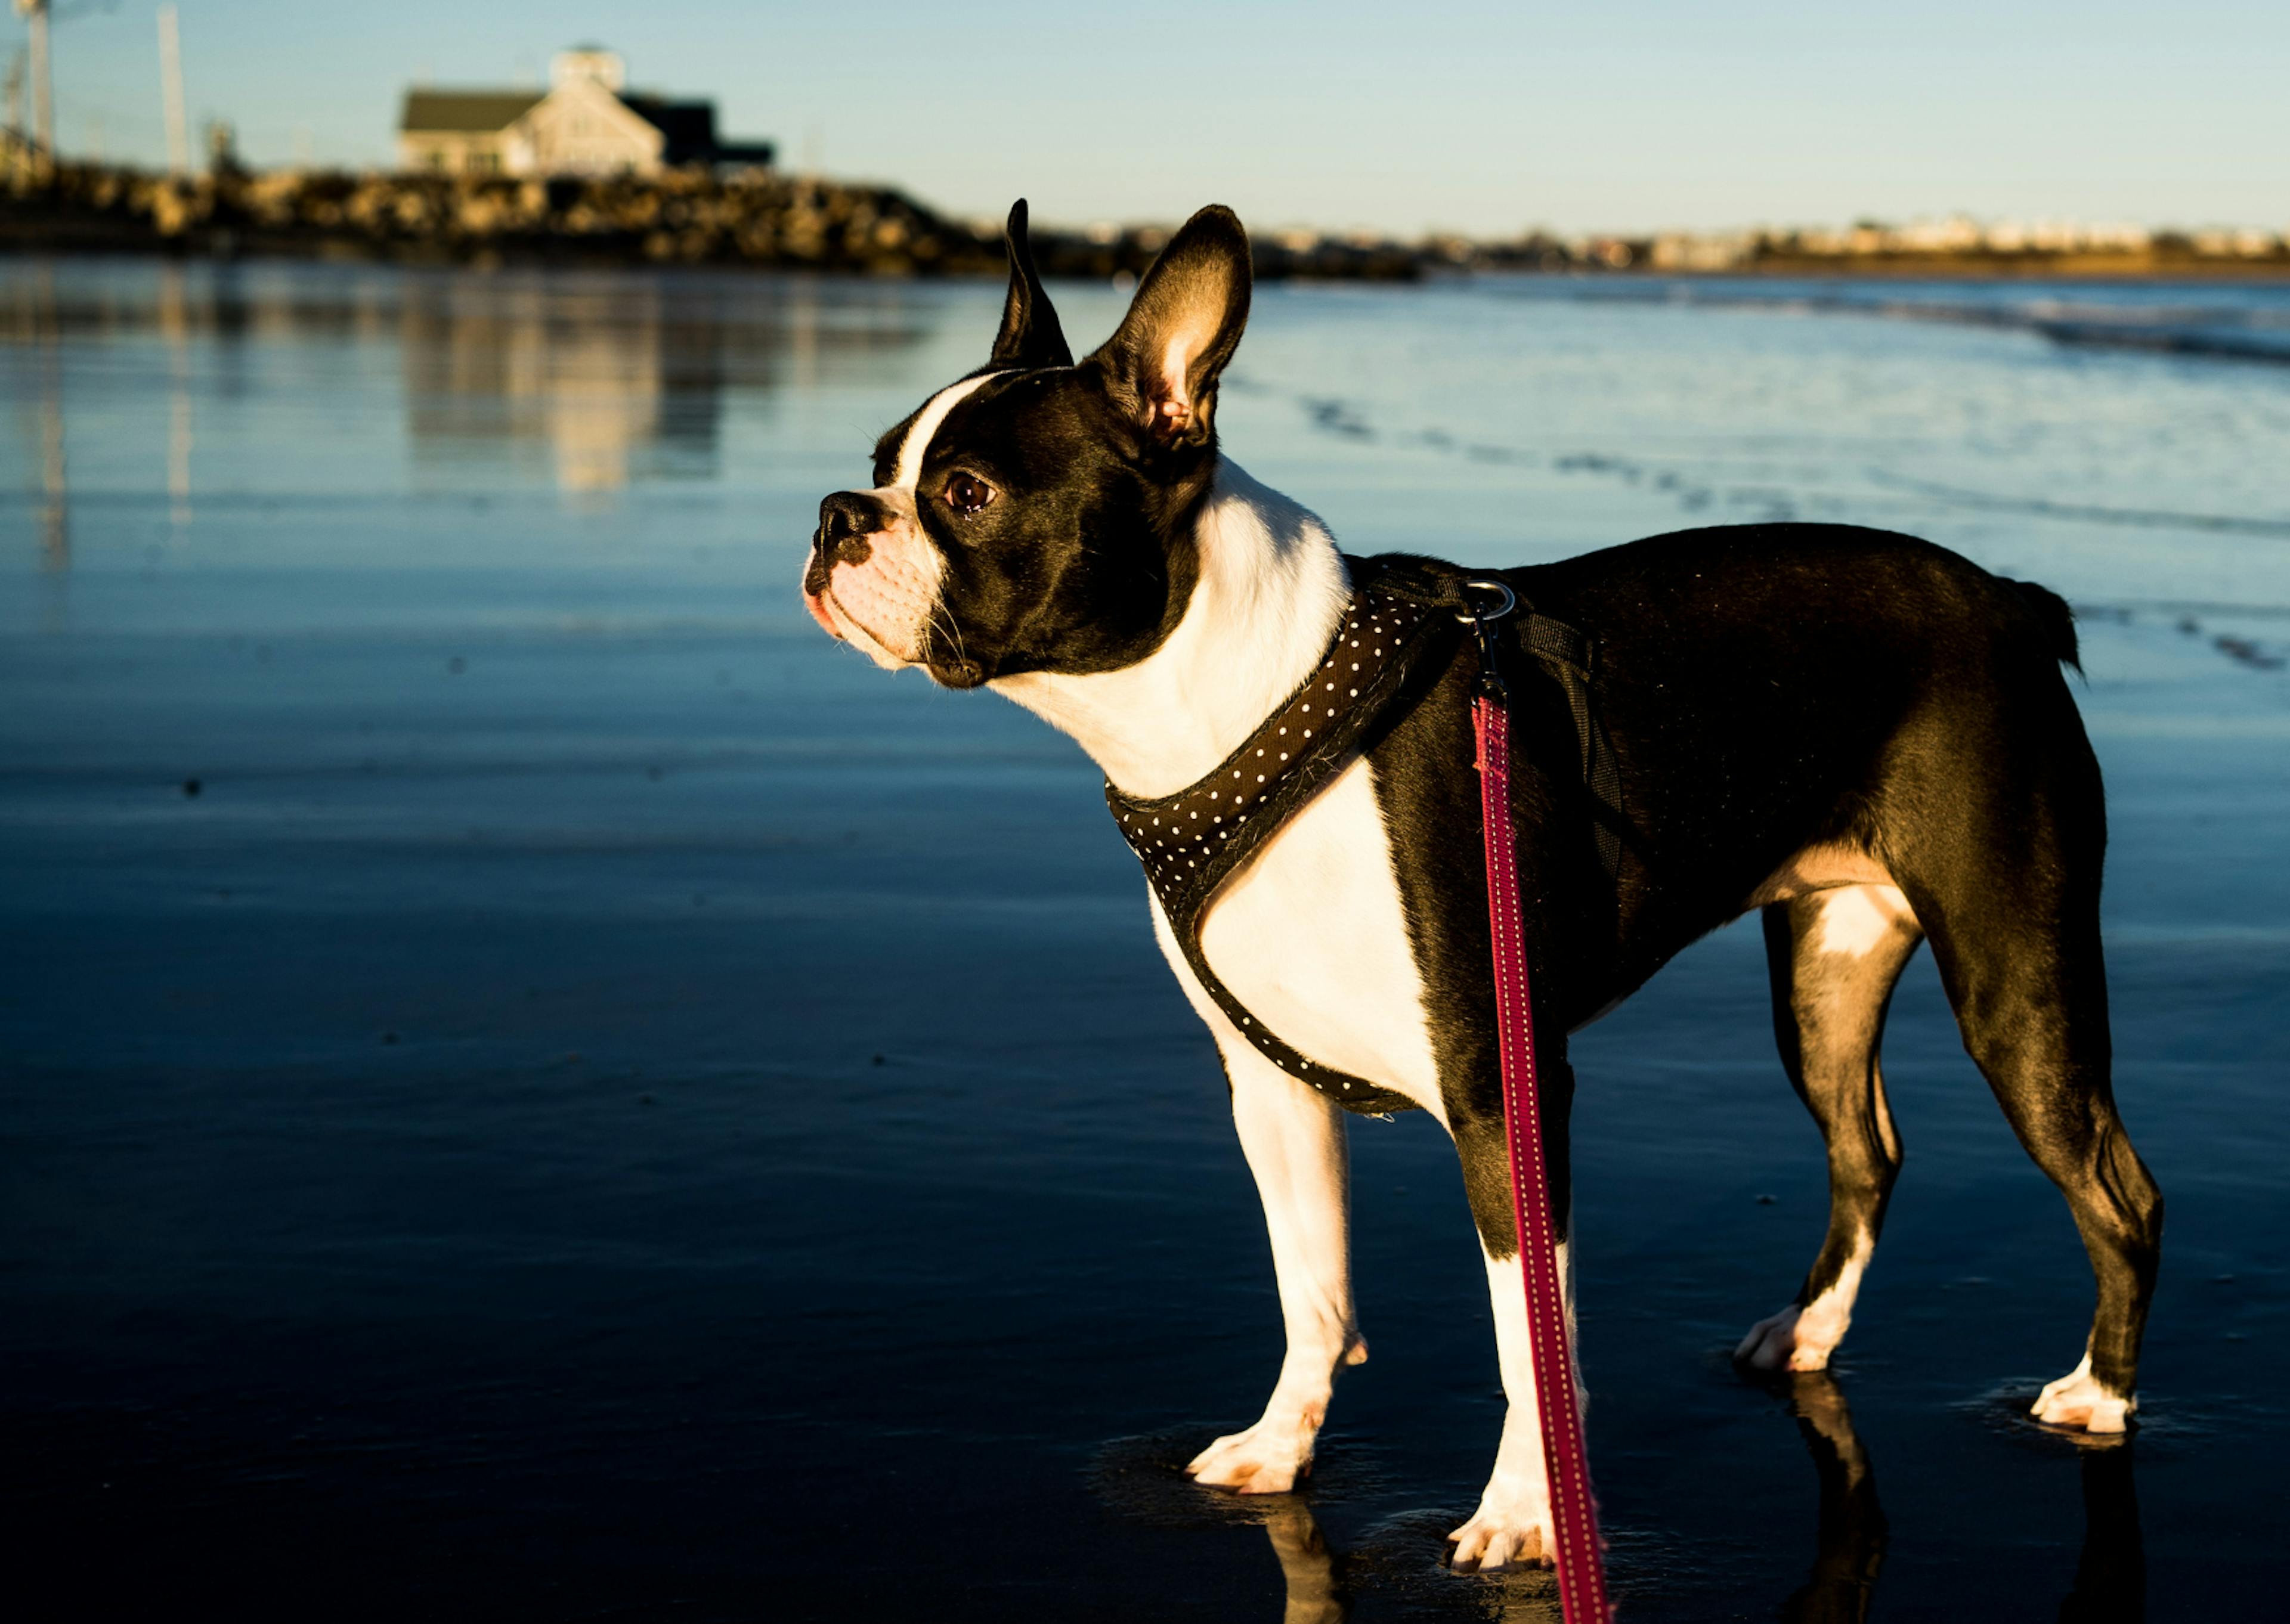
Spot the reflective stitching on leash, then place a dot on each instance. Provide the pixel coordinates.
(1574, 1512)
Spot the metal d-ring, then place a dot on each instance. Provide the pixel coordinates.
(1483, 621)
(1467, 614)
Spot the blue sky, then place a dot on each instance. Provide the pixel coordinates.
(1628, 115)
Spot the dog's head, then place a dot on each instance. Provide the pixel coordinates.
(1036, 516)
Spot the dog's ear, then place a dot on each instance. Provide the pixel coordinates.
(1161, 366)
(1030, 335)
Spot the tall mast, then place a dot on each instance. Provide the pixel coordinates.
(35, 14)
(171, 92)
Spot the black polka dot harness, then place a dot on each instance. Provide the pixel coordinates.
(1402, 610)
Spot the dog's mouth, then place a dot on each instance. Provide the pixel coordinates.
(830, 611)
(816, 591)
(941, 655)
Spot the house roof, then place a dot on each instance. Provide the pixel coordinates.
(465, 111)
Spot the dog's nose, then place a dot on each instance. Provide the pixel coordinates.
(845, 520)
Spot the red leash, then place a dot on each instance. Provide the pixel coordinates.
(1579, 1557)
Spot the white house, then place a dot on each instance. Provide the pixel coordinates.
(587, 123)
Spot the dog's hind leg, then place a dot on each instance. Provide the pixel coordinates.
(1835, 957)
(1294, 1137)
(2025, 975)
(2002, 864)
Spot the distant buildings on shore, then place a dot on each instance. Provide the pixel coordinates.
(586, 122)
(1958, 237)
(1957, 245)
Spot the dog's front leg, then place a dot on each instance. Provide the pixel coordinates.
(1512, 1528)
(1293, 1137)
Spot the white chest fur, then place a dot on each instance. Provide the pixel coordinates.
(1312, 938)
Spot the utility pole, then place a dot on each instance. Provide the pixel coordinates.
(35, 14)
(171, 92)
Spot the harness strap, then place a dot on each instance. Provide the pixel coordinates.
(1192, 841)
(1403, 611)
(1573, 656)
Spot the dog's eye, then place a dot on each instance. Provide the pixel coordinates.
(967, 494)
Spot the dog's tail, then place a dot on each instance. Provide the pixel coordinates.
(2055, 618)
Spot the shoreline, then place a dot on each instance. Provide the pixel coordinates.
(227, 246)
(762, 218)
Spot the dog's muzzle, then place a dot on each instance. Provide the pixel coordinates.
(847, 519)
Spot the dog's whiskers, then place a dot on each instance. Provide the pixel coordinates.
(941, 617)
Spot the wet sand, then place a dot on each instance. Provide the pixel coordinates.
(601, 1105)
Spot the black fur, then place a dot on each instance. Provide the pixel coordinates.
(1092, 570)
(1768, 688)
(1030, 335)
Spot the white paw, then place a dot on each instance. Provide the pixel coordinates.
(2079, 1399)
(1501, 1538)
(1781, 1343)
(1270, 1457)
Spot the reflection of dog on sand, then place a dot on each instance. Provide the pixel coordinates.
(1849, 1540)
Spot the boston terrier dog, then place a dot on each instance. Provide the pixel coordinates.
(1862, 735)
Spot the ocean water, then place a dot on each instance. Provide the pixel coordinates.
(533, 1085)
